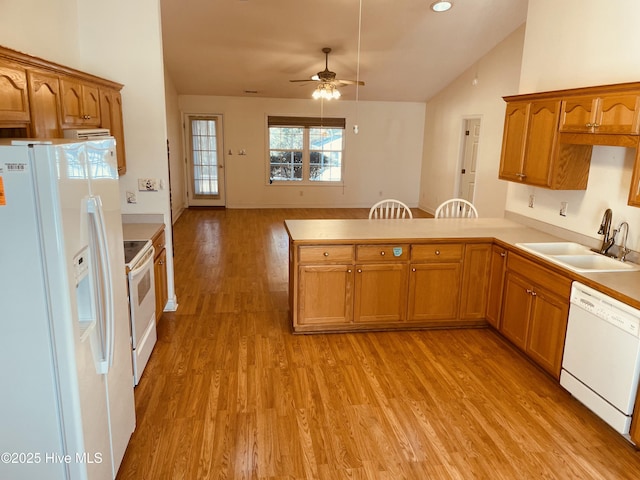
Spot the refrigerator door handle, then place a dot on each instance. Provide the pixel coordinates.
(94, 208)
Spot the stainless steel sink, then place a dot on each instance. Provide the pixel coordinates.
(577, 257)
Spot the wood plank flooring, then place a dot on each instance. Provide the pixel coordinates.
(230, 393)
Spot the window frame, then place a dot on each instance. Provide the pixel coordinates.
(306, 123)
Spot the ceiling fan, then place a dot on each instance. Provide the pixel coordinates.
(329, 77)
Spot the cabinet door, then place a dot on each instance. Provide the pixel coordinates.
(496, 282)
(475, 278)
(434, 291)
(160, 279)
(540, 142)
(513, 140)
(14, 99)
(547, 329)
(618, 114)
(46, 114)
(578, 114)
(91, 106)
(80, 104)
(634, 190)
(515, 309)
(111, 118)
(380, 293)
(325, 295)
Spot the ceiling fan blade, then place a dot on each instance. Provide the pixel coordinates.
(306, 80)
(350, 82)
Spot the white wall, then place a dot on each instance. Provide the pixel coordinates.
(498, 74)
(174, 134)
(120, 41)
(577, 43)
(381, 161)
(43, 28)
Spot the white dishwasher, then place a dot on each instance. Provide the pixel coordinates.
(601, 362)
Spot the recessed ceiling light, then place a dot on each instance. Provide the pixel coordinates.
(441, 6)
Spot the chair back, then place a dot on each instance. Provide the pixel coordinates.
(390, 208)
(456, 208)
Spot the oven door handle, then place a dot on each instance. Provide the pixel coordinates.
(142, 265)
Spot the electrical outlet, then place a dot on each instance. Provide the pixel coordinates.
(531, 200)
(148, 184)
(131, 197)
(563, 208)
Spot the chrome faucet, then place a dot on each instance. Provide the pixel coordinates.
(623, 250)
(605, 229)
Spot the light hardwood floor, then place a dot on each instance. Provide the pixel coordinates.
(230, 393)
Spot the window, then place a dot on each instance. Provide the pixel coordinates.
(306, 149)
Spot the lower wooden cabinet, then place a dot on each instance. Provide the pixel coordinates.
(325, 295)
(535, 309)
(498, 262)
(434, 284)
(387, 286)
(380, 293)
(160, 272)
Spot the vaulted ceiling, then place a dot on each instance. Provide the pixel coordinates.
(407, 51)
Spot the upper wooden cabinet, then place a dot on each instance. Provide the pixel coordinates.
(111, 118)
(39, 99)
(44, 92)
(14, 97)
(531, 152)
(80, 104)
(548, 136)
(612, 114)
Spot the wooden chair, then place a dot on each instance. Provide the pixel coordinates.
(456, 208)
(390, 208)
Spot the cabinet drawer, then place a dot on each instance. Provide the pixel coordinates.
(325, 254)
(382, 253)
(540, 275)
(158, 243)
(437, 252)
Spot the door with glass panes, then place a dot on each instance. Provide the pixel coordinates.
(205, 165)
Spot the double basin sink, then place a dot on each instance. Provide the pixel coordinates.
(578, 258)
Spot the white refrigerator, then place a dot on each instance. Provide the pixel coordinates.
(66, 384)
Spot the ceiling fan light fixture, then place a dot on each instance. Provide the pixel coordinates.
(326, 91)
(441, 6)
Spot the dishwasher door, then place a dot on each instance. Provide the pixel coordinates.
(601, 362)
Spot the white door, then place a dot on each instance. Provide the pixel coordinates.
(205, 160)
(470, 154)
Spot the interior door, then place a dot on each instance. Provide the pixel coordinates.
(470, 154)
(205, 160)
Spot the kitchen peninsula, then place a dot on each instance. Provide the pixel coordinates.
(347, 275)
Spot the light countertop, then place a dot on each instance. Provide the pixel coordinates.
(625, 286)
(140, 231)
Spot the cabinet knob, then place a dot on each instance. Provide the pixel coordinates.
(382, 253)
(326, 254)
(359, 270)
(413, 269)
(437, 252)
(588, 125)
(348, 270)
(503, 254)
